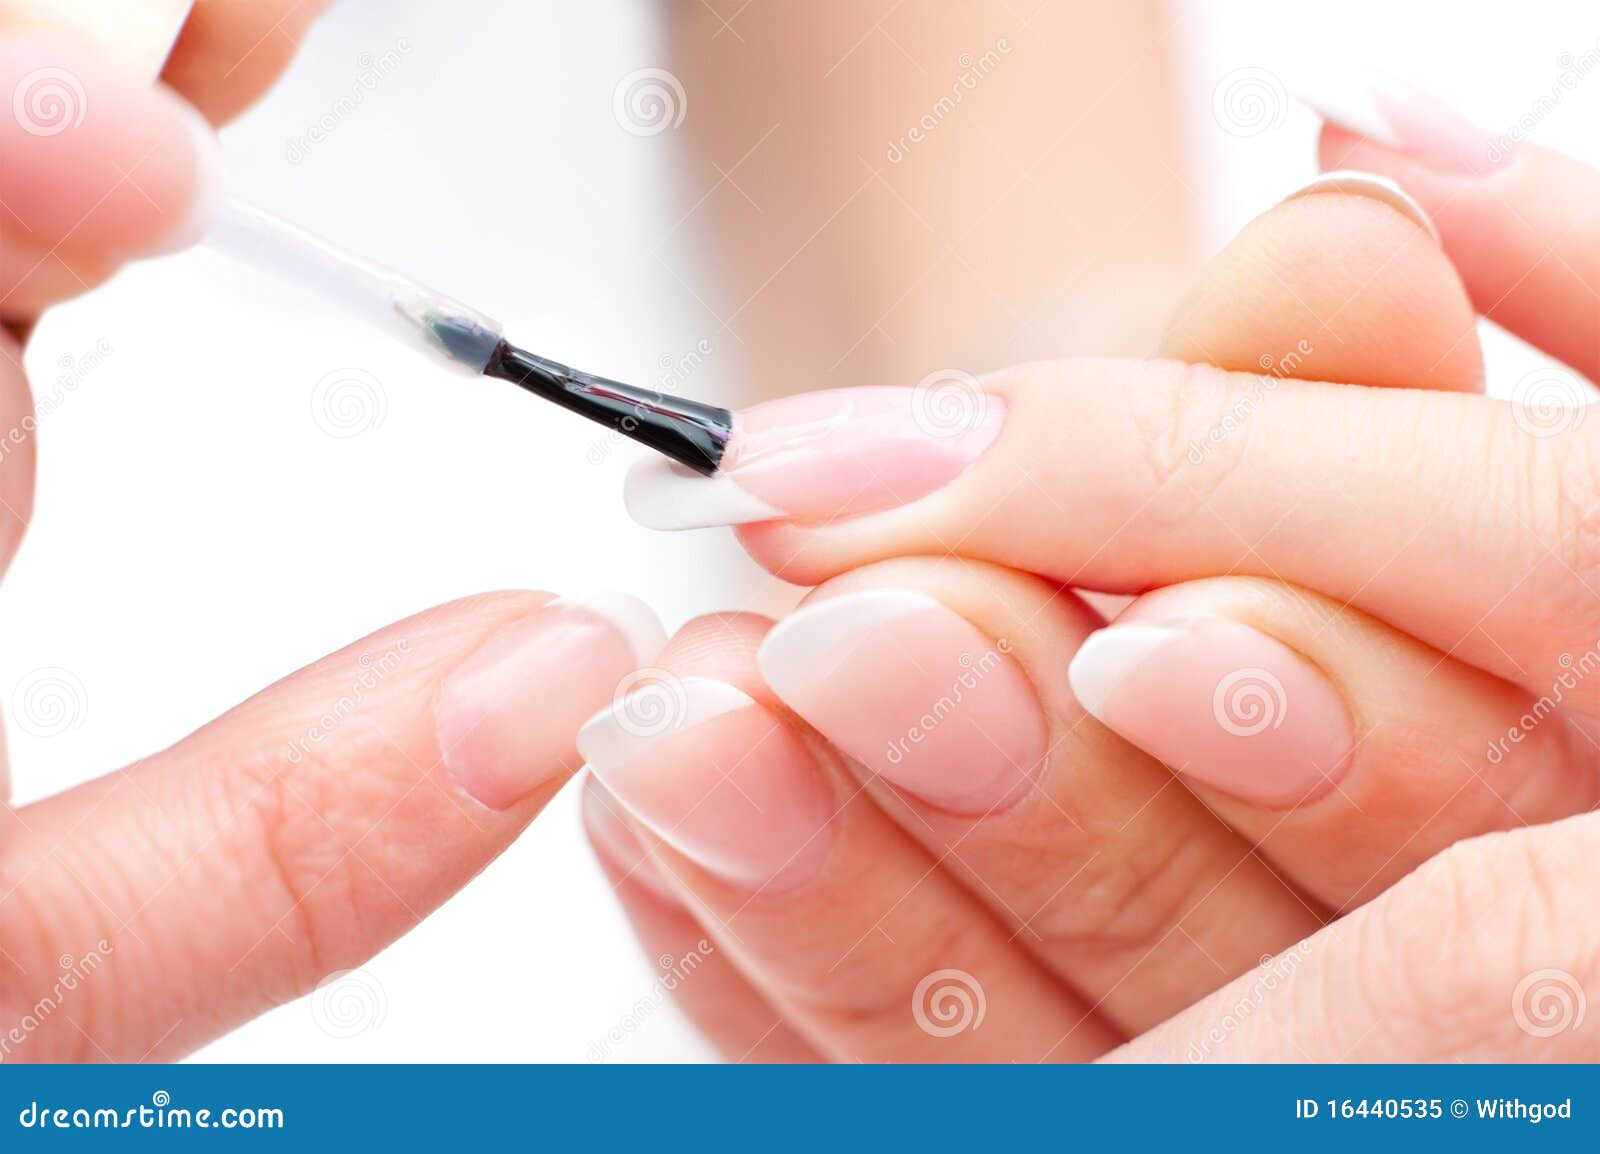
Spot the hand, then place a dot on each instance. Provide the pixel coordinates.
(150, 911)
(1013, 848)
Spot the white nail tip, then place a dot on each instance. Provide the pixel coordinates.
(1351, 102)
(662, 494)
(659, 708)
(635, 620)
(206, 203)
(1106, 657)
(1373, 187)
(798, 646)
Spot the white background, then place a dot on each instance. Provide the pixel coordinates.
(199, 532)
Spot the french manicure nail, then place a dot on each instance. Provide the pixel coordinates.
(1219, 702)
(1373, 187)
(616, 843)
(505, 716)
(191, 224)
(820, 456)
(915, 693)
(717, 777)
(1405, 119)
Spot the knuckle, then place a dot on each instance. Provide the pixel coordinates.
(1118, 904)
(1445, 954)
(296, 862)
(1194, 427)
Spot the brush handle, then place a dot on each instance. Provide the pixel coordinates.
(409, 312)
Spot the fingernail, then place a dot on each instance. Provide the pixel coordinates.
(1373, 187)
(100, 160)
(191, 223)
(617, 844)
(505, 716)
(915, 693)
(718, 778)
(820, 456)
(1403, 118)
(1221, 703)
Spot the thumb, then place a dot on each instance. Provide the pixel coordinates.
(301, 832)
(1342, 281)
(1485, 954)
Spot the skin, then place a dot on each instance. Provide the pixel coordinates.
(365, 834)
(221, 877)
(1434, 885)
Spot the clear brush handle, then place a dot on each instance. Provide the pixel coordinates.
(409, 312)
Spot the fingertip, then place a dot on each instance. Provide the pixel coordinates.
(99, 160)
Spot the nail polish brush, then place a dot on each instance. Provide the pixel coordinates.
(689, 432)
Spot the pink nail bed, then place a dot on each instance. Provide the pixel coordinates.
(717, 777)
(1221, 703)
(915, 693)
(819, 456)
(555, 665)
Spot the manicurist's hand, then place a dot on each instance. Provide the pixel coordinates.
(946, 812)
(165, 903)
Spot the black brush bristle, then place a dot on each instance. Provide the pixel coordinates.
(691, 433)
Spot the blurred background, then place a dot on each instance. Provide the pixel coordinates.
(726, 198)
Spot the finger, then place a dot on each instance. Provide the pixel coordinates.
(31, 280)
(945, 685)
(704, 982)
(1449, 965)
(1348, 752)
(1343, 281)
(303, 831)
(18, 450)
(231, 51)
(98, 162)
(1444, 515)
(838, 918)
(1517, 220)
